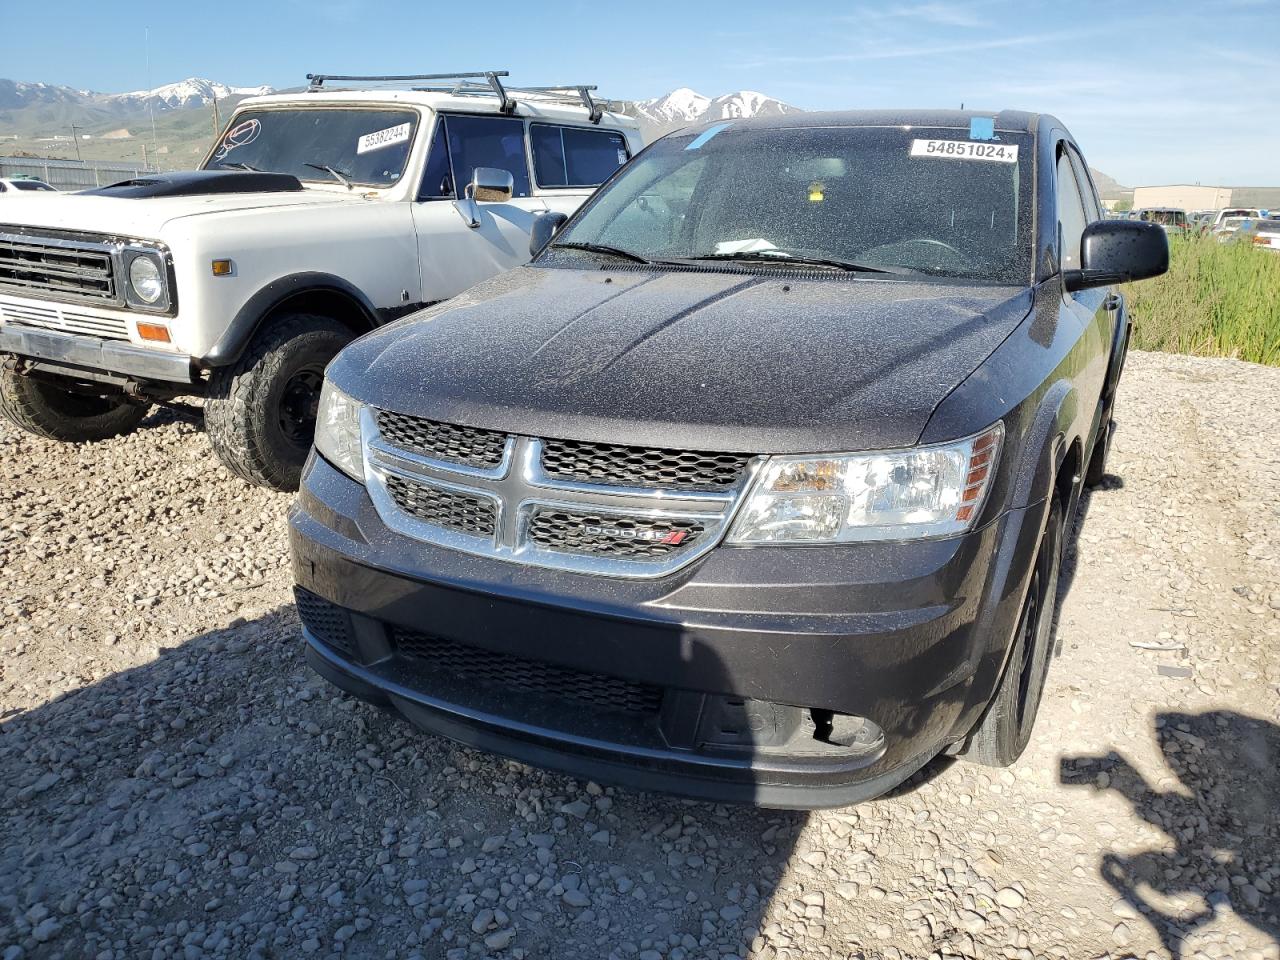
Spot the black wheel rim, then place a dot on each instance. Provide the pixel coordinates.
(299, 402)
(1029, 628)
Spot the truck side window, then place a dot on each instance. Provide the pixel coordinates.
(487, 142)
(574, 156)
(437, 181)
(1071, 215)
(1092, 208)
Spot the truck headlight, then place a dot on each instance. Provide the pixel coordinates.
(907, 494)
(338, 431)
(146, 280)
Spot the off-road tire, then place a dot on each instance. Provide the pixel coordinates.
(245, 402)
(49, 411)
(1005, 730)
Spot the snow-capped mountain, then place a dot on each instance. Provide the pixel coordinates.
(192, 92)
(684, 106)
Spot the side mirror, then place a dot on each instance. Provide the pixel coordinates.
(491, 185)
(545, 227)
(1119, 251)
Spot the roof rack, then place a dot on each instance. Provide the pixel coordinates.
(465, 84)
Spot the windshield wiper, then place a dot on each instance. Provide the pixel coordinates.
(239, 165)
(328, 169)
(761, 256)
(602, 248)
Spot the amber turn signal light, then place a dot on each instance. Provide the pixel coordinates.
(156, 332)
(222, 268)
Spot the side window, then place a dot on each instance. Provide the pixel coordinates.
(575, 157)
(437, 181)
(1092, 208)
(487, 142)
(1071, 215)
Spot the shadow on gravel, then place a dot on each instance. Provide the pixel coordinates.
(1220, 816)
(223, 800)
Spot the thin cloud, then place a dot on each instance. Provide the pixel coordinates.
(938, 14)
(908, 52)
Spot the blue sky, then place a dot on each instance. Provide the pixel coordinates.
(1156, 92)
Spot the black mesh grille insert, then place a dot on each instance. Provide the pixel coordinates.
(642, 466)
(621, 537)
(443, 441)
(511, 673)
(443, 508)
(327, 622)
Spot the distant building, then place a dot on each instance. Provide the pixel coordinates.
(1187, 196)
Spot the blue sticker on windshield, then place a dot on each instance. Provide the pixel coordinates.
(982, 128)
(707, 134)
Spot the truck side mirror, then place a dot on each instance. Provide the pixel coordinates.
(1119, 251)
(545, 227)
(488, 185)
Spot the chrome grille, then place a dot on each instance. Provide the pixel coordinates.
(443, 508)
(642, 466)
(443, 441)
(605, 536)
(62, 269)
(493, 494)
(511, 673)
(53, 317)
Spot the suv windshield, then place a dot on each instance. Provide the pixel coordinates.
(905, 201)
(330, 144)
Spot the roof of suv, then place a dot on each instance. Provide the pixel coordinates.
(527, 104)
(1011, 121)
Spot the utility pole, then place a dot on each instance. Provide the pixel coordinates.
(76, 140)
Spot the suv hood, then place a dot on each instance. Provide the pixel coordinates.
(142, 218)
(695, 360)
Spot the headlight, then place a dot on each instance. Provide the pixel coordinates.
(338, 431)
(145, 279)
(885, 495)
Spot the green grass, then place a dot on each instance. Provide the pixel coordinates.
(1217, 300)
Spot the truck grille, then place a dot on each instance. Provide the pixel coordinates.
(629, 537)
(642, 466)
(443, 508)
(60, 270)
(443, 441)
(511, 673)
(64, 320)
(593, 508)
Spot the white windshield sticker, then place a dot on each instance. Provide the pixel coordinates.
(383, 138)
(965, 150)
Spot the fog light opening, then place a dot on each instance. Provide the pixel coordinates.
(852, 733)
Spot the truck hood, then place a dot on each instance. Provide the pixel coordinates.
(701, 360)
(141, 218)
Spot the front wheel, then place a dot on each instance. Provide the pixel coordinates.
(261, 412)
(57, 413)
(1005, 730)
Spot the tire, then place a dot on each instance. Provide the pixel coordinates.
(1006, 728)
(47, 410)
(260, 412)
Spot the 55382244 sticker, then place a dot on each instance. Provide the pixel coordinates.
(966, 150)
(383, 138)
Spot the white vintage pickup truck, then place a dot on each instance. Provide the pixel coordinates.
(315, 217)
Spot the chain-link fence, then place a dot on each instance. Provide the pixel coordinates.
(71, 174)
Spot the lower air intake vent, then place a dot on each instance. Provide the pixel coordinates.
(510, 673)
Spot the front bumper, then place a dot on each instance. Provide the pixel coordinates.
(93, 353)
(707, 683)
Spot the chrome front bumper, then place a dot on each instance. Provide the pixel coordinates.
(77, 350)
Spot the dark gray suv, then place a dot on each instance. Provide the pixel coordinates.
(754, 484)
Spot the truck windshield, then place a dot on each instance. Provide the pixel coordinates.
(913, 201)
(363, 146)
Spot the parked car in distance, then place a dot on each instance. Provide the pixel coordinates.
(316, 216)
(12, 185)
(754, 485)
(1172, 219)
(1234, 213)
(1226, 228)
(1259, 232)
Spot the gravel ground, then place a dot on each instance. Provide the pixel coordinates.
(174, 782)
